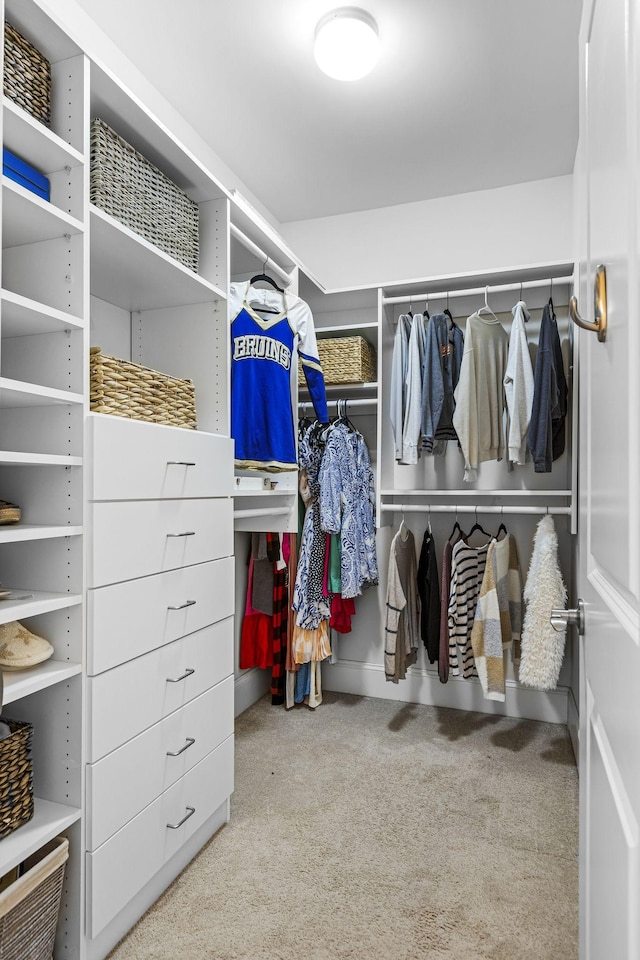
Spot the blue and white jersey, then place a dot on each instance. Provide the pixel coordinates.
(264, 351)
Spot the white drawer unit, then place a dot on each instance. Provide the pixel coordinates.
(126, 700)
(129, 619)
(137, 538)
(118, 869)
(154, 760)
(131, 460)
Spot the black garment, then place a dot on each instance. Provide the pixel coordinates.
(429, 592)
(546, 436)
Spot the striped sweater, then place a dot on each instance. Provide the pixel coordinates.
(467, 572)
(498, 617)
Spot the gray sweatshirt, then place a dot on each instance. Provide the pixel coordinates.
(479, 396)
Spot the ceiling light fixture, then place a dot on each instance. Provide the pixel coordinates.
(347, 44)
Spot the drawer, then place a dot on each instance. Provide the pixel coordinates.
(130, 460)
(121, 867)
(137, 538)
(126, 700)
(126, 620)
(123, 783)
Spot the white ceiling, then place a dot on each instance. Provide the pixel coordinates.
(467, 95)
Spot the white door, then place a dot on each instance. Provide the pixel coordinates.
(607, 198)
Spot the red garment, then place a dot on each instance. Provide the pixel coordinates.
(256, 641)
(279, 620)
(341, 612)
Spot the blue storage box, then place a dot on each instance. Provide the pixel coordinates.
(24, 174)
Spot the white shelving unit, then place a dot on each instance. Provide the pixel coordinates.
(43, 397)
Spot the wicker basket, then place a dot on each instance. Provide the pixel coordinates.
(16, 777)
(345, 360)
(125, 389)
(29, 906)
(27, 75)
(126, 186)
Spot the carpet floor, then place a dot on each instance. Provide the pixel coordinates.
(373, 829)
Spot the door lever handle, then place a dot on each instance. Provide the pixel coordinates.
(561, 619)
(599, 325)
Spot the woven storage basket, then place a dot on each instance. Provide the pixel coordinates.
(16, 777)
(126, 186)
(27, 75)
(29, 907)
(126, 389)
(345, 360)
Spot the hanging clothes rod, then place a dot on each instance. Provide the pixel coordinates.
(261, 512)
(260, 254)
(367, 402)
(479, 291)
(467, 508)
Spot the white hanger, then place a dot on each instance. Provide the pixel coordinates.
(486, 308)
(403, 530)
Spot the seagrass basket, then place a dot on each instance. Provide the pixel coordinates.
(29, 907)
(16, 777)
(345, 360)
(27, 75)
(126, 389)
(129, 188)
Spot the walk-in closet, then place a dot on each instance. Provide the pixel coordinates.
(319, 568)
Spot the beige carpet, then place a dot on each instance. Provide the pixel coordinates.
(371, 829)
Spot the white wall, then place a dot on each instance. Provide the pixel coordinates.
(471, 232)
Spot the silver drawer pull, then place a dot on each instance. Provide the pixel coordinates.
(188, 533)
(184, 676)
(180, 463)
(189, 603)
(190, 742)
(174, 826)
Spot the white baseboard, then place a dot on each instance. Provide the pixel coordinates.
(573, 723)
(250, 686)
(422, 686)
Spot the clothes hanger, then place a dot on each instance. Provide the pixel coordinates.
(403, 529)
(266, 278)
(446, 309)
(553, 313)
(344, 418)
(426, 309)
(502, 528)
(486, 308)
(410, 308)
(259, 307)
(479, 528)
(458, 529)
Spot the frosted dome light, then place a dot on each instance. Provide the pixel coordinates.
(347, 44)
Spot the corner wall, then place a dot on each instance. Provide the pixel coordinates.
(471, 232)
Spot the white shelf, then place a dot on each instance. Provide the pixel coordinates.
(345, 329)
(36, 604)
(264, 493)
(27, 218)
(22, 683)
(49, 819)
(131, 273)
(22, 317)
(17, 458)
(337, 391)
(34, 143)
(455, 494)
(17, 393)
(19, 532)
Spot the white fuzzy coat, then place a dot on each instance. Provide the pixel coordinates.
(542, 646)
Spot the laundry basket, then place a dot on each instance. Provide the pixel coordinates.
(29, 907)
